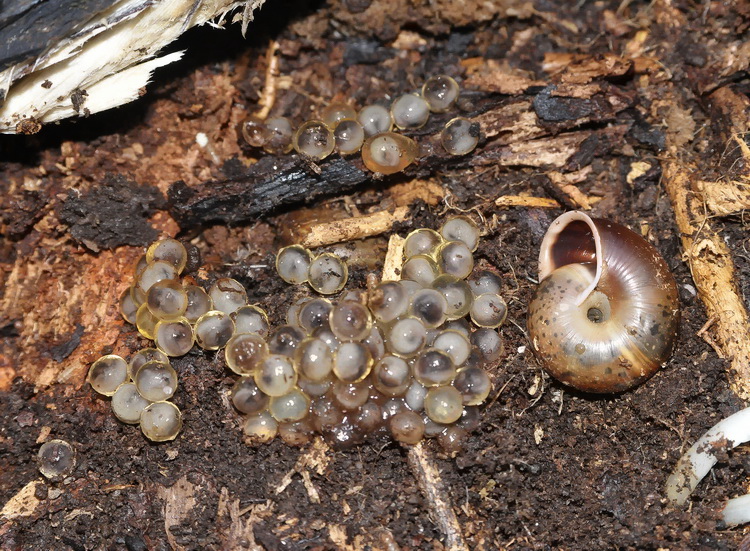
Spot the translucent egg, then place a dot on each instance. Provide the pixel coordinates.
(107, 373)
(213, 330)
(198, 303)
(139, 265)
(285, 340)
(434, 367)
(410, 112)
(260, 427)
(485, 281)
(388, 301)
(154, 272)
(474, 385)
(247, 397)
(168, 250)
(254, 132)
(431, 428)
(489, 310)
(461, 325)
(460, 136)
(470, 419)
(328, 274)
(452, 439)
(275, 375)
(227, 295)
(443, 404)
(174, 338)
(457, 294)
(315, 388)
(293, 263)
(350, 396)
(391, 407)
(420, 268)
(369, 418)
(415, 396)
(314, 140)
(375, 119)
(244, 352)
(127, 403)
(389, 153)
(392, 376)
(251, 319)
(292, 313)
(406, 337)
(407, 427)
(422, 241)
(429, 306)
(327, 336)
(137, 296)
(156, 381)
(292, 406)
(375, 343)
(57, 459)
(349, 136)
(352, 362)
(144, 356)
(440, 92)
(314, 359)
(410, 287)
(279, 133)
(455, 258)
(128, 307)
(167, 300)
(489, 342)
(455, 344)
(463, 229)
(337, 112)
(297, 433)
(314, 314)
(325, 413)
(145, 321)
(350, 320)
(161, 421)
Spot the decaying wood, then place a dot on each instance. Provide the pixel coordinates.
(509, 201)
(350, 229)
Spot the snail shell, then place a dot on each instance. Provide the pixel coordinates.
(605, 315)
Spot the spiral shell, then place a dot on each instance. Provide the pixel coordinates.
(605, 315)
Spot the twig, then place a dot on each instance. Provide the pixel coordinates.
(508, 201)
(349, 229)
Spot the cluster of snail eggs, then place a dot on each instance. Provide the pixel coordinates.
(343, 129)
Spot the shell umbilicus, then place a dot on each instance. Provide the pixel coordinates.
(605, 315)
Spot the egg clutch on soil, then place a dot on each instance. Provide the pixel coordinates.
(399, 358)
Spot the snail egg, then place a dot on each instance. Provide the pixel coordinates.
(422, 241)
(369, 418)
(460, 136)
(429, 306)
(443, 404)
(375, 119)
(254, 132)
(389, 153)
(276, 375)
(488, 310)
(107, 373)
(440, 92)
(168, 250)
(244, 352)
(410, 112)
(227, 295)
(392, 376)
(198, 303)
(154, 272)
(251, 319)
(156, 381)
(455, 344)
(349, 136)
(326, 335)
(314, 359)
(285, 340)
(314, 140)
(167, 300)
(434, 367)
(127, 403)
(407, 337)
(328, 274)
(279, 134)
(415, 396)
(292, 406)
(457, 294)
(57, 459)
(213, 330)
(350, 320)
(128, 307)
(140, 265)
(247, 397)
(293, 263)
(474, 385)
(161, 421)
(350, 396)
(489, 342)
(463, 229)
(460, 325)
(388, 301)
(144, 356)
(337, 112)
(391, 407)
(297, 433)
(325, 414)
(455, 258)
(174, 338)
(452, 439)
(375, 343)
(292, 313)
(407, 427)
(315, 388)
(485, 281)
(314, 314)
(352, 362)
(137, 296)
(145, 321)
(431, 428)
(260, 427)
(420, 268)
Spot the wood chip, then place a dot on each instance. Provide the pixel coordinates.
(350, 229)
(509, 201)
